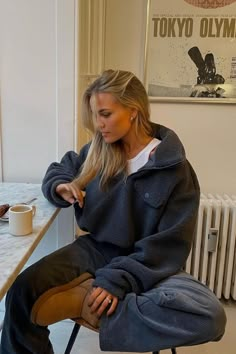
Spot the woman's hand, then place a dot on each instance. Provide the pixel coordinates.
(101, 300)
(71, 193)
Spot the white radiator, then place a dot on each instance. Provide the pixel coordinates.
(213, 256)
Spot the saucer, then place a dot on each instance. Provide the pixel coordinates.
(5, 217)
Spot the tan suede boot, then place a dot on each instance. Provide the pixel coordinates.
(66, 301)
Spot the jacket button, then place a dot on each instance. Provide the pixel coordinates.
(146, 195)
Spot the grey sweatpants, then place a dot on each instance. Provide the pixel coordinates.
(179, 311)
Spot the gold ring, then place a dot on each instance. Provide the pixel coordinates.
(109, 300)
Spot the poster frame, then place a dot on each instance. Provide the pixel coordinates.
(147, 69)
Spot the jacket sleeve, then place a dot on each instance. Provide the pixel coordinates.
(161, 254)
(62, 172)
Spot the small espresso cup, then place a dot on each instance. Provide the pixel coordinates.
(21, 219)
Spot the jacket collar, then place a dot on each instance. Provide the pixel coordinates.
(169, 152)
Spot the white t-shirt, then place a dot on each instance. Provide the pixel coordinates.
(142, 158)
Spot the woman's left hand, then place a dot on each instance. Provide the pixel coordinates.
(101, 300)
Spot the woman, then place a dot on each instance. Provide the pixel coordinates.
(137, 196)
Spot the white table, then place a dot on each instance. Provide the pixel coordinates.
(16, 250)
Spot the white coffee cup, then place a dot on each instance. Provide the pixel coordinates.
(21, 219)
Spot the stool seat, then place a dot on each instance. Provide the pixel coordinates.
(78, 323)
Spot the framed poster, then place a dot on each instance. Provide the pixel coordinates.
(190, 51)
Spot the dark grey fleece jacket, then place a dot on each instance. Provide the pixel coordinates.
(143, 226)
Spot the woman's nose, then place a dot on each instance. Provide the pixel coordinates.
(100, 123)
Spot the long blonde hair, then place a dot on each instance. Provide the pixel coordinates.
(105, 159)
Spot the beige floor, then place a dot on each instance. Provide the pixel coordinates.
(88, 342)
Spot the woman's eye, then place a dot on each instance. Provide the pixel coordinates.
(106, 115)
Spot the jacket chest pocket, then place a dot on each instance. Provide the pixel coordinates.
(154, 195)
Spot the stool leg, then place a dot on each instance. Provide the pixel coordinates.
(173, 351)
(72, 339)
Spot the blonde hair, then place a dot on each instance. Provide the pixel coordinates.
(109, 160)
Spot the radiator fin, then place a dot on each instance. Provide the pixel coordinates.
(212, 259)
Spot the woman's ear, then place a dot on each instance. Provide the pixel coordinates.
(134, 112)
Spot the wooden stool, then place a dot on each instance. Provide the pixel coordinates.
(75, 332)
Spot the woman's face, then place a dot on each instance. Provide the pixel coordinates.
(113, 120)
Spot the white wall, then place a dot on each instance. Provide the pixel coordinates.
(28, 95)
(37, 71)
(207, 130)
(125, 34)
(208, 134)
(37, 85)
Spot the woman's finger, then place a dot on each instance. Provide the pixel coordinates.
(77, 193)
(104, 305)
(98, 301)
(113, 306)
(64, 191)
(93, 295)
(71, 193)
(101, 300)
